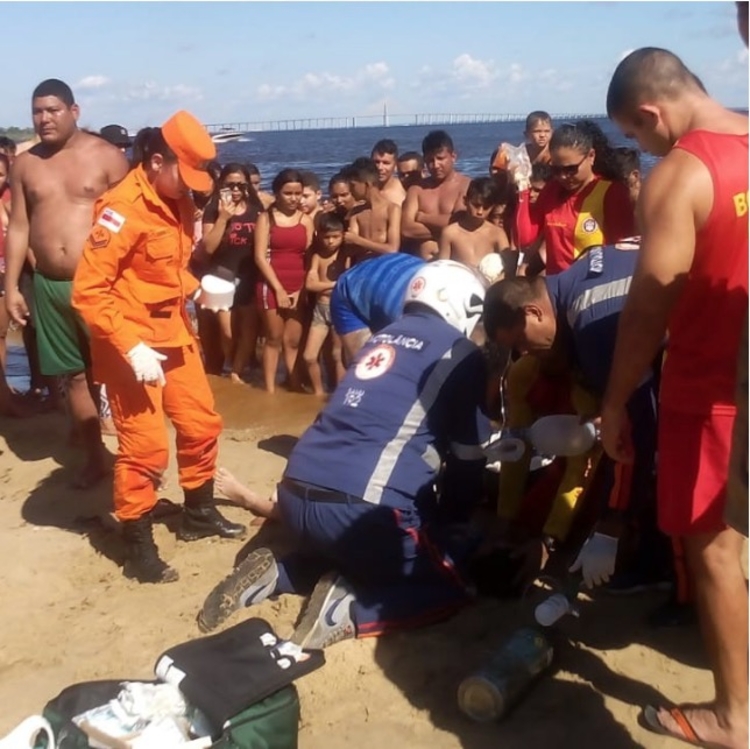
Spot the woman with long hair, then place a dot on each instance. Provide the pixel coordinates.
(584, 204)
(228, 239)
(283, 236)
(131, 287)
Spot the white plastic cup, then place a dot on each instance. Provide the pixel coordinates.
(552, 609)
(216, 293)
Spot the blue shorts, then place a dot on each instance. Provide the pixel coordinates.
(371, 294)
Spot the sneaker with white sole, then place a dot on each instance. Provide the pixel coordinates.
(327, 618)
(252, 581)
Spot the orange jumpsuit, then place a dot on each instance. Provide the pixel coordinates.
(130, 287)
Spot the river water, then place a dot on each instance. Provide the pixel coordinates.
(326, 151)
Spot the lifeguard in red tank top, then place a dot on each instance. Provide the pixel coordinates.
(705, 324)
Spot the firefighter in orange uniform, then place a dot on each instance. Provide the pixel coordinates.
(130, 288)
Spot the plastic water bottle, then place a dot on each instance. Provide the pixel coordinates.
(562, 435)
(489, 693)
(559, 604)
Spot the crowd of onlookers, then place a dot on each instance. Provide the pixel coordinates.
(284, 249)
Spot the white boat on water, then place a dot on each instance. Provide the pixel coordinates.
(226, 136)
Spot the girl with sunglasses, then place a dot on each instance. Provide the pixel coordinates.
(585, 203)
(228, 238)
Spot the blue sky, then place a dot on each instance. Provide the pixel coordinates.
(136, 63)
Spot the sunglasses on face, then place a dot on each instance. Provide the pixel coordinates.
(235, 185)
(569, 170)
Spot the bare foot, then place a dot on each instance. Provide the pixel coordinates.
(710, 728)
(226, 484)
(234, 491)
(236, 379)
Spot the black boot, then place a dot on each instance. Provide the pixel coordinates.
(143, 562)
(201, 519)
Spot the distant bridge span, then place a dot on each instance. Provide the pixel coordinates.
(384, 120)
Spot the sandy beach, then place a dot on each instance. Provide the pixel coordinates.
(72, 616)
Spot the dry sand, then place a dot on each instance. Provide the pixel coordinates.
(70, 615)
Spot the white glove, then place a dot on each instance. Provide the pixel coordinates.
(146, 364)
(596, 559)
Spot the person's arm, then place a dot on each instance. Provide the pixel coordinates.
(468, 430)
(309, 225)
(411, 227)
(671, 205)
(501, 243)
(16, 243)
(530, 218)
(262, 234)
(534, 259)
(115, 165)
(215, 225)
(435, 222)
(97, 271)
(313, 284)
(445, 244)
(393, 238)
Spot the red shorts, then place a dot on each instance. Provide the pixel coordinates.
(265, 296)
(693, 465)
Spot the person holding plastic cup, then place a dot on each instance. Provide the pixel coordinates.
(130, 288)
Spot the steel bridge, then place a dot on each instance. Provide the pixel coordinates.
(380, 120)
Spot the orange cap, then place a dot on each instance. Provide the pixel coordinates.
(193, 147)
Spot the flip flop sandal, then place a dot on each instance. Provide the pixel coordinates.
(686, 733)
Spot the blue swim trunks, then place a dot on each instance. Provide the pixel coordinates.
(371, 294)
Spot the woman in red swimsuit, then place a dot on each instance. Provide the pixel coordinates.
(282, 237)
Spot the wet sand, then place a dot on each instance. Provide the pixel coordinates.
(71, 616)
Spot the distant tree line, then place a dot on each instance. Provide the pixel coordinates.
(18, 134)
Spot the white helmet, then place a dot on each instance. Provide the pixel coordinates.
(452, 289)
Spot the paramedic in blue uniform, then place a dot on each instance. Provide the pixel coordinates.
(359, 490)
(370, 296)
(579, 310)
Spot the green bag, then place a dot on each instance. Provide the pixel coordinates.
(272, 723)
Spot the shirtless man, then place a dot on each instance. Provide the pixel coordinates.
(430, 205)
(468, 239)
(692, 279)
(410, 169)
(375, 225)
(385, 155)
(54, 187)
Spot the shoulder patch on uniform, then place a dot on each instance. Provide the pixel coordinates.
(376, 362)
(99, 237)
(111, 220)
(590, 225)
